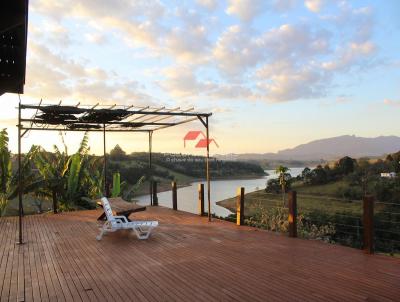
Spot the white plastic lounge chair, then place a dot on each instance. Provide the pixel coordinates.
(142, 229)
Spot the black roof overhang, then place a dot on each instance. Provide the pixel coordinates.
(13, 43)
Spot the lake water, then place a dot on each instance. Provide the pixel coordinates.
(220, 190)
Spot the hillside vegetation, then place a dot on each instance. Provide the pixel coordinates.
(330, 202)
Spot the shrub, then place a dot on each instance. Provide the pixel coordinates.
(276, 219)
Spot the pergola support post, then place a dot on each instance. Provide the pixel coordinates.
(20, 206)
(106, 188)
(208, 170)
(150, 167)
(206, 125)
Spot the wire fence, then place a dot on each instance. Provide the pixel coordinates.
(330, 219)
(387, 227)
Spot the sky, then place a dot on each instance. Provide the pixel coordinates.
(274, 74)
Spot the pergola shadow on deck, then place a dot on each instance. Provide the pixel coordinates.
(186, 259)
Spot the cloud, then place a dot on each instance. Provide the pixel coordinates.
(188, 42)
(209, 4)
(181, 82)
(96, 38)
(342, 100)
(248, 10)
(283, 5)
(285, 81)
(194, 55)
(238, 50)
(353, 54)
(314, 6)
(45, 82)
(282, 64)
(136, 20)
(295, 40)
(52, 76)
(390, 102)
(357, 22)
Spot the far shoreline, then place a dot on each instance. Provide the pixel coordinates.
(165, 187)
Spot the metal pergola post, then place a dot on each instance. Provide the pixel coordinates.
(20, 207)
(105, 162)
(150, 167)
(206, 125)
(208, 171)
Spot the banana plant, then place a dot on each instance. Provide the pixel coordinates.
(93, 178)
(116, 188)
(63, 175)
(5, 171)
(52, 169)
(8, 181)
(129, 192)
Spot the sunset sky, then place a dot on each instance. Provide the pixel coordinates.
(274, 74)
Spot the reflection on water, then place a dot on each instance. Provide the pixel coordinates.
(220, 190)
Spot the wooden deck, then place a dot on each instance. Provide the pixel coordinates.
(186, 259)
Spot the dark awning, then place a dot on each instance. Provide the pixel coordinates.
(13, 40)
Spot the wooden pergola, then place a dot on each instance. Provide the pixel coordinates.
(102, 118)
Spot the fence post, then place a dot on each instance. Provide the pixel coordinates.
(292, 214)
(174, 196)
(154, 189)
(368, 224)
(240, 206)
(201, 199)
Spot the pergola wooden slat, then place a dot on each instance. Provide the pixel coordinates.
(99, 118)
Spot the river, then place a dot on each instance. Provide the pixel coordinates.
(220, 190)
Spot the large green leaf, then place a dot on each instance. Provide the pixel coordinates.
(73, 177)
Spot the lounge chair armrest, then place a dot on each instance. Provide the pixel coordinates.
(123, 218)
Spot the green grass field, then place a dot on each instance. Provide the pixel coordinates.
(309, 198)
(329, 189)
(305, 203)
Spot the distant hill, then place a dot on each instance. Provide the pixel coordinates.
(329, 148)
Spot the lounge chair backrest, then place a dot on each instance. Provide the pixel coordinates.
(107, 209)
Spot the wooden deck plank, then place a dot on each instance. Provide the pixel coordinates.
(146, 283)
(28, 276)
(97, 292)
(186, 258)
(70, 275)
(6, 267)
(36, 244)
(6, 230)
(115, 283)
(78, 279)
(33, 291)
(60, 284)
